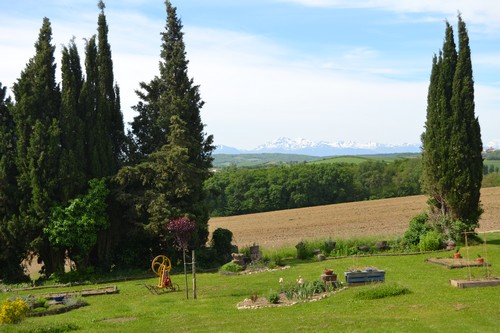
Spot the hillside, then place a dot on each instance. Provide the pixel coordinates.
(269, 159)
(381, 218)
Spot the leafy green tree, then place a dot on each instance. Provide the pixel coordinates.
(75, 227)
(37, 114)
(451, 157)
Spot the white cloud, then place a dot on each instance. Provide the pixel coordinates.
(484, 12)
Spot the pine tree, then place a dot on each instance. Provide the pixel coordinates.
(168, 130)
(37, 114)
(72, 169)
(451, 156)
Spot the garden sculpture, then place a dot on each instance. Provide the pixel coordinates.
(161, 266)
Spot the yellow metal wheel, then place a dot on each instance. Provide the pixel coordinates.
(160, 264)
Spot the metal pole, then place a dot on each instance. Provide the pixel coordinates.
(193, 263)
(185, 273)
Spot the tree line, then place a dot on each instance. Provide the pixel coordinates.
(73, 183)
(235, 191)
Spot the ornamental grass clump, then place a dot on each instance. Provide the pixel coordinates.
(273, 297)
(13, 311)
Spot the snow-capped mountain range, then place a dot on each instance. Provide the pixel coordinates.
(322, 148)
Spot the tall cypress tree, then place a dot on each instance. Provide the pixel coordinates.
(72, 169)
(451, 143)
(36, 114)
(466, 160)
(8, 168)
(437, 128)
(108, 103)
(12, 233)
(94, 128)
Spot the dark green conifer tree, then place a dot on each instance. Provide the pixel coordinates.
(12, 240)
(8, 168)
(72, 169)
(171, 140)
(37, 114)
(108, 102)
(435, 154)
(451, 143)
(466, 161)
(95, 150)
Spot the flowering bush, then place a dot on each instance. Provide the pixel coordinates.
(13, 312)
(181, 228)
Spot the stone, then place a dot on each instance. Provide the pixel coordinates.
(364, 248)
(382, 246)
(255, 253)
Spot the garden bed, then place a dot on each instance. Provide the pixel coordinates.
(451, 263)
(481, 282)
(86, 292)
(263, 302)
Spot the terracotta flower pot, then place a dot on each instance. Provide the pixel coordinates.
(328, 272)
(480, 260)
(457, 255)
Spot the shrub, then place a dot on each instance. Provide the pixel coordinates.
(328, 247)
(13, 312)
(231, 267)
(302, 252)
(430, 241)
(221, 242)
(304, 291)
(381, 291)
(417, 228)
(273, 297)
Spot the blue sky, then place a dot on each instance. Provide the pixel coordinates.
(323, 70)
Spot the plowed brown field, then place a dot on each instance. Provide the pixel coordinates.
(380, 218)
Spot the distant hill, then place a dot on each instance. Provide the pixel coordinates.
(262, 160)
(254, 160)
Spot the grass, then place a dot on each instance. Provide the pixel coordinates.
(432, 306)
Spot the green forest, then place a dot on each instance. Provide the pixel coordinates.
(235, 191)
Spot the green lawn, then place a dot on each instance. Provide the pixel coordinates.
(432, 306)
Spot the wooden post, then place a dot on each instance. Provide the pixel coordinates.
(185, 273)
(193, 263)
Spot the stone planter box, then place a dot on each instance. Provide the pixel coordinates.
(362, 277)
